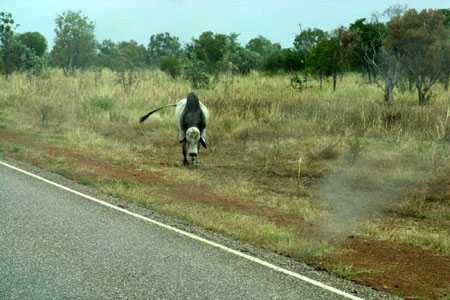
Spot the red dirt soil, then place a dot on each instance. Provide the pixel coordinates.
(396, 268)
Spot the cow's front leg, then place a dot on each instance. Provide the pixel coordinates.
(185, 161)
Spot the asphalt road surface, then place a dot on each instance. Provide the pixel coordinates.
(57, 245)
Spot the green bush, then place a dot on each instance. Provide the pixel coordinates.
(172, 65)
(197, 75)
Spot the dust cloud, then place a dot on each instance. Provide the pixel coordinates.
(366, 187)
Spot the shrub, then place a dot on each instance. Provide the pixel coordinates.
(172, 65)
(197, 75)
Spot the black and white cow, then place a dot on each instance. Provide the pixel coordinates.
(191, 117)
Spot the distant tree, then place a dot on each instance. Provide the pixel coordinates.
(131, 59)
(446, 13)
(445, 77)
(364, 41)
(108, 55)
(308, 39)
(274, 62)
(293, 60)
(162, 45)
(304, 43)
(246, 60)
(262, 46)
(75, 45)
(446, 66)
(125, 58)
(213, 49)
(15, 52)
(420, 42)
(265, 51)
(320, 59)
(327, 58)
(172, 65)
(8, 43)
(124, 55)
(132, 55)
(34, 41)
(196, 72)
(284, 60)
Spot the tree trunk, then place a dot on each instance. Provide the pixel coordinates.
(421, 93)
(446, 81)
(334, 81)
(388, 88)
(410, 84)
(320, 80)
(422, 98)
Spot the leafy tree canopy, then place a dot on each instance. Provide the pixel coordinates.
(262, 46)
(420, 41)
(75, 45)
(213, 49)
(34, 41)
(309, 38)
(163, 45)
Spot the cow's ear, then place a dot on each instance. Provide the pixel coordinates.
(183, 140)
(203, 142)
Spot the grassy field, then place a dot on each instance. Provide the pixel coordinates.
(338, 179)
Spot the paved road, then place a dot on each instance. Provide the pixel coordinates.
(56, 245)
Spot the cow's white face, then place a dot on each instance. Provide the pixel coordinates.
(192, 142)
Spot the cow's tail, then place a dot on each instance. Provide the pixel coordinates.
(143, 118)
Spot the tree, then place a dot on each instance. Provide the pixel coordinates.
(246, 60)
(196, 72)
(8, 43)
(263, 50)
(125, 58)
(293, 60)
(286, 60)
(172, 65)
(446, 66)
(34, 41)
(327, 58)
(17, 52)
(364, 41)
(75, 45)
(132, 55)
(213, 49)
(262, 46)
(274, 62)
(308, 39)
(320, 59)
(304, 43)
(420, 42)
(108, 55)
(162, 45)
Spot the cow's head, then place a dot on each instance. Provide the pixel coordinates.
(192, 141)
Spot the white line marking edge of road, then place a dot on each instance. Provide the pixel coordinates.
(190, 235)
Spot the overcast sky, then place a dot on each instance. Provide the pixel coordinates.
(138, 19)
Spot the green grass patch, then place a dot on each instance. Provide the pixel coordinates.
(350, 272)
(101, 104)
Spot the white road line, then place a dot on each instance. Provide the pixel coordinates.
(192, 236)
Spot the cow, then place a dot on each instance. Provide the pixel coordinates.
(191, 117)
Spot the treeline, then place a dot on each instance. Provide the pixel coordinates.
(409, 50)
